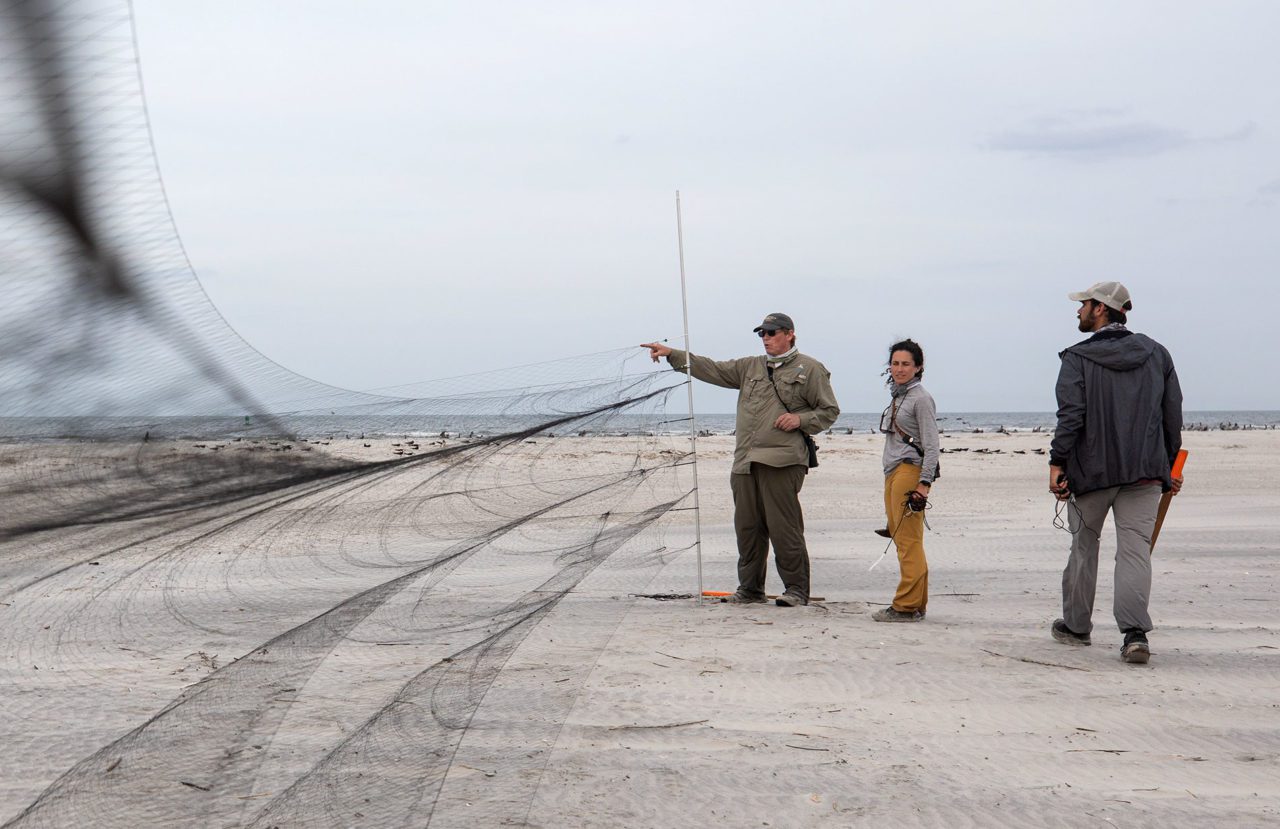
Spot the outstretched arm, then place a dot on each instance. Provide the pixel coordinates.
(727, 373)
(656, 350)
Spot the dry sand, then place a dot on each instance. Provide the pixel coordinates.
(975, 717)
(624, 711)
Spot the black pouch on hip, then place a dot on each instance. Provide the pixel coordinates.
(812, 446)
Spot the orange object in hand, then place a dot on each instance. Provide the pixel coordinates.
(1163, 509)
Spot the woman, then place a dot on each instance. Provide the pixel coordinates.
(910, 426)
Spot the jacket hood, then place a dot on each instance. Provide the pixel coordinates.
(1115, 350)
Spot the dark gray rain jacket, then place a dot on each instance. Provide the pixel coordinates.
(1119, 412)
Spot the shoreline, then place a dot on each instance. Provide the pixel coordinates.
(430, 438)
(319, 428)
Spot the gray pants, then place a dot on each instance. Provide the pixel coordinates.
(1134, 508)
(767, 508)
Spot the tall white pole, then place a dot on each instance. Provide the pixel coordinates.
(693, 424)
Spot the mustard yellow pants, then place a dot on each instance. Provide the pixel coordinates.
(908, 534)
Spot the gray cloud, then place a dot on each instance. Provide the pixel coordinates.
(1095, 142)
(1078, 135)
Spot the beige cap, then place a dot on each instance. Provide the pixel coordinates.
(1111, 294)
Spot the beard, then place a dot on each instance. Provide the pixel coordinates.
(1085, 325)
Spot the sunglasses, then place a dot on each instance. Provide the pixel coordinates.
(768, 332)
(888, 418)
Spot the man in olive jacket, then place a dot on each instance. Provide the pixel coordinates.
(782, 395)
(1119, 431)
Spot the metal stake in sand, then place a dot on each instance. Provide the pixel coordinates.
(693, 425)
(892, 538)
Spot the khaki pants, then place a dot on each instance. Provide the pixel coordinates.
(766, 507)
(1134, 509)
(907, 529)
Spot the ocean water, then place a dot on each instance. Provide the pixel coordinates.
(1020, 421)
(17, 429)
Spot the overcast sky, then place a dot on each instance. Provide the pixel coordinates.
(376, 193)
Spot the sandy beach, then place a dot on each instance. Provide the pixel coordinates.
(607, 708)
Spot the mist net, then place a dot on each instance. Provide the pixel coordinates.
(233, 595)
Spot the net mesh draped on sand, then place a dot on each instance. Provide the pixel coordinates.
(233, 595)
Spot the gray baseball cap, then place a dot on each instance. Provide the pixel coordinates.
(776, 321)
(1111, 294)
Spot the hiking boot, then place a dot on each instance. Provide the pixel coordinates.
(888, 614)
(745, 598)
(1135, 649)
(790, 599)
(1067, 636)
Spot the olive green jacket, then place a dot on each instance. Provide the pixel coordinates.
(803, 382)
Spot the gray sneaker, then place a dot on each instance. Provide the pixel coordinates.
(1067, 636)
(1135, 649)
(888, 614)
(790, 599)
(744, 598)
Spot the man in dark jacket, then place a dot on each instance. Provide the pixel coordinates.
(1119, 430)
(782, 396)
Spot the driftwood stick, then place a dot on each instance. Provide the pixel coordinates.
(1036, 661)
(663, 725)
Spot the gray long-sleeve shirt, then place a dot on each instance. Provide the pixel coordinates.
(918, 417)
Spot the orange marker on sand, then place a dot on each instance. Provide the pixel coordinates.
(724, 594)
